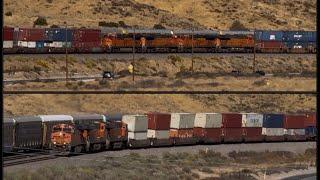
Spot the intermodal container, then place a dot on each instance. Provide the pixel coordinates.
(8, 34)
(252, 120)
(181, 133)
(299, 36)
(311, 131)
(39, 44)
(208, 120)
(31, 44)
(86, 35)
(252, 134)
(269, 35)
(294, 132)
(296, 45)
(273, 131)
(136, 123)
(182, 120)
(270, 44)
(159, 121)
(208, 135)
(232, 134)
(310, 120)
(158, 134)
(294, 121)
(137, 135)
(7, 44)
(58, 34)
(30, 34)
(231, 120)
(23, 44)
(273, 120)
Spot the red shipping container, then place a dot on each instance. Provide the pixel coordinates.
(30, 34)
(270, 44)
(159, 121)
(87, 35)
(181, 133)
(310, 120)
(294, 121)
(232, 134)
(253, 134)
(231, 120)
(8, 33)
(208, 135)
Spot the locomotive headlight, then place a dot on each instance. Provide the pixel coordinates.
(54, 142)
(64, 142)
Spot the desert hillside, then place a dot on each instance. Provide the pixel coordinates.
(217, 14)
(57, 104)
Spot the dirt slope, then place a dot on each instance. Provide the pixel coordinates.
(217, 14)
(57, 104)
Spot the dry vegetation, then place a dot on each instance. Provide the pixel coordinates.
(217, 14)
(166, 73)
(71, 104)
(205, 164)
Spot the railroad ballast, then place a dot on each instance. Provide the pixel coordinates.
(103, 40)
(95, 132)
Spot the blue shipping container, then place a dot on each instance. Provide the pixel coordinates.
(58, 34)
(269, 35)
(296, 45)
(273, 120)
(299, 36)
(311, 131)
(39, 44)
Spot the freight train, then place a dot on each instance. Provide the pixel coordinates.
(94, 132)
(113, 40)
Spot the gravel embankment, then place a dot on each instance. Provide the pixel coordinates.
(224, 149)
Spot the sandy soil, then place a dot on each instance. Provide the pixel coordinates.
(280, 14)
(70, 104)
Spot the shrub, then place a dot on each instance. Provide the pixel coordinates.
(40, 21)
(108, 24)
(238, 26)
(54, 26)
(158, 26)
(49, 1)
(9, 13)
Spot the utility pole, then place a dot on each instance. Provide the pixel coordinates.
(133, 52)
(192, 39)
(254, 39)
(67, 71)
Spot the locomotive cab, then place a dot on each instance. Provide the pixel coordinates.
(61, 135)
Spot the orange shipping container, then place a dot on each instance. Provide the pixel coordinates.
(181, 133)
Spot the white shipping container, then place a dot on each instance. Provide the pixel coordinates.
(182, 120)
(252, 120)
(158, 134)
(136, 122)
(273, 131)
(137, 135)
(22, 43)
(7, 44)
(294, 132)
(56, 44)
(31, 44)
(208, 120)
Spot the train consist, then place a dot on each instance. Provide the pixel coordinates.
(104, 40)
(89, 133)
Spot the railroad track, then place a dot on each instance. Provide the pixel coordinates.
(25, 158)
